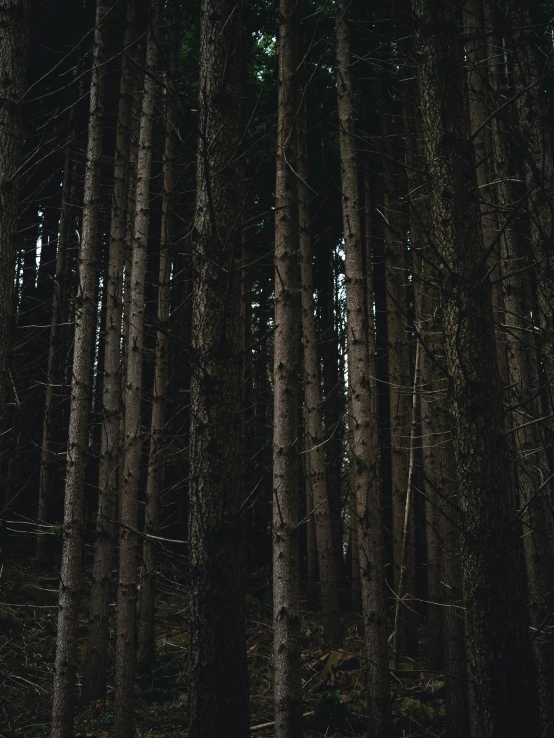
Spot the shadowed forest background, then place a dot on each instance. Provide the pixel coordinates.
(276, 368)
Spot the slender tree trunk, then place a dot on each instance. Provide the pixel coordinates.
(524, 382)
(311, 543)
(399, 383)
(94, 681)
(286, 615)
(147, 595)
(333, 404)
(68, 617)
(128, 507)
(479, 99)
(14, 31)
(442, 473)
(531, 132)
(362, 405)
(313, 417)
(53, 375)
(218, 686)
(431, 383)
(407, 534)
(504, 687)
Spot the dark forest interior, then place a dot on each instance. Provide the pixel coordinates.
(276, 368)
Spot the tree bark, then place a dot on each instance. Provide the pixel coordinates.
(218, 686)
(504, 696)
(479, 99)
(154, 483)
(286, 615)
(531, 132)
(53, 374)
(14, 31)
(313, 418)
(128, 507)
(94, 680)
(333, 391)
(399, 380)
(68, 617)
(362, 404)
(524, 383)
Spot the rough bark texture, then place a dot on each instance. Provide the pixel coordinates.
(286, 615)
(531, 132)
(14, 24)
(504, 695)
(524, 388)
(362, 405)
(94, 681)
(218, 691)
(399, 380)
(53, 369)
(68, 618)
(154, 483)
(316, 478)
(481, 128)
(432, 383)
(445, 638)
(333, 405)
(128, 504)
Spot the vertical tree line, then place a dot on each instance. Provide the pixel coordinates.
(276, 365)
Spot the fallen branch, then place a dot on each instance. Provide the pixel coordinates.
(270, 725)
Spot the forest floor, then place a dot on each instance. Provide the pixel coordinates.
(333, 681)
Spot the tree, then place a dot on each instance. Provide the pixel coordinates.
(53, 373)
(147, 594)
(362, 403)
(94, 683)
(497, 630)
(218, 687)
(14, 33)
(70, 576)
(132, 449)
(286, 616)
(313, 417)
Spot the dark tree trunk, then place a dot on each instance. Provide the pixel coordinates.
(504, 694)
(70, 576)
(94, 681)
(14, 25)
(316, 478)
(53, 371)
(286, 615)
(154, 483)
(362, 405)
(129, 486)
(218, 687)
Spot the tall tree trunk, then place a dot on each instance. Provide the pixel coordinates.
(501, 669)
(154, 483)
(531, 132)
(94, 680)
(286, 615)
(399, 380)
(68, 617)
(53, 374)
(479, 99)
(129, 486)
(533, 470)
(333, 390)
(362, 404)
(432, 384)
(313, 418)
(218, 686)
(14, 32)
